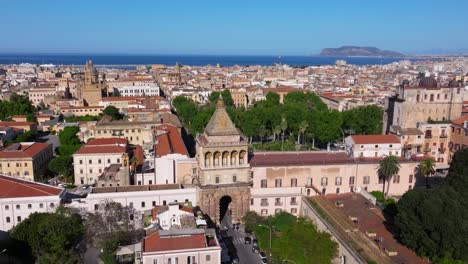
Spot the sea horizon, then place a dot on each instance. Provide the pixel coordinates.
(188, 59)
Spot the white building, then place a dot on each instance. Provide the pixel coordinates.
(19, 199)
(141, 198)
(168, 216)
(170, 148)
(192, 246)
(91, 159)
(373, 146)
(143, 90)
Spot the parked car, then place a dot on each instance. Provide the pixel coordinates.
(255, 242)
(262, 255)
(264, 260)
(248, 240)
(255, 249)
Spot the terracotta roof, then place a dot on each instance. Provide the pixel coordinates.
(15, 188)
(23, 150)
(155, 243)
(260, 159)
(130, 98)
(460, 120)
(15, 124)
(101, 149)
(375, 139)
(283, 89)
(170, 142)
(107, 141)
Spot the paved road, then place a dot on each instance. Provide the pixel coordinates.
(49, 138)
(244, 251)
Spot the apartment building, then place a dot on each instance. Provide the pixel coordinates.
(136, 133)
(38, 95)
(281, 178)
(459, 135)
(25, 160)
(20, 198)
(91, 160)
(141, 198)
(372, 146)
(186, 246)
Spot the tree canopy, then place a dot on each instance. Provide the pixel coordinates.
(113, 112)
(52, 237)
(17, 105)
(304, 113)
(433, 222)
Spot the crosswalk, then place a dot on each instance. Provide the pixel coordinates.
(238, 240)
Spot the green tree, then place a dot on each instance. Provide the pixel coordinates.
(251, 219)
(388, 167)
(272, 98)
(214, 95)
(302, 130)
(363, 120)
(227, 97)
(113, 112)
(52, 237)
(426, 169)
(277, 130)
(61, 165)
(68, 136)
(296, 239)
(284, 126)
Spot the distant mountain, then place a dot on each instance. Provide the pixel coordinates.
(351, 51)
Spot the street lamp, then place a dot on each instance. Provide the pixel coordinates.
(288, 260)
(270, 236)
(3, 251)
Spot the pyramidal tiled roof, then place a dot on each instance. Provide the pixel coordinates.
(220, 123)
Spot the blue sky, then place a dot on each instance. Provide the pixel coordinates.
(287, 27)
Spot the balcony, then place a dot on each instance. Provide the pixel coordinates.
(443, 136)
(279, 204)
(264, 204)
(294, 203)
(442, 150)
(427, 150)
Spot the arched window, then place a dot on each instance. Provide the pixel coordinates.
(217, 179)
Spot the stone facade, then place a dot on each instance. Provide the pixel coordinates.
(91, 90)
(210, 197)
(223, 168)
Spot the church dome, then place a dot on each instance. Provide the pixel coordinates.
(428, 82)
(453, 84)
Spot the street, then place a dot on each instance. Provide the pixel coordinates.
(244, 251)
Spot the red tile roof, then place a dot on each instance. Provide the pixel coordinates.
(375, 139)
(298, 158)
(170, 142)
(15, 188)
(15, 124)
(101, 149)
(23, 150)
(155, 243)
(460, 120)
(107, 141)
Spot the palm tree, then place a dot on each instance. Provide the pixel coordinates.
(388, 167)
(426, 169)
(302, 128)
(284, 126)
(262, 132)
(277, 131)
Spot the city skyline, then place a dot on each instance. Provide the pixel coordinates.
(240, 28)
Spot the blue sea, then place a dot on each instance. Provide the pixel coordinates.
(193, 60)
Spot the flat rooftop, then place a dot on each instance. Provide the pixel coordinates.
(136, 188)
